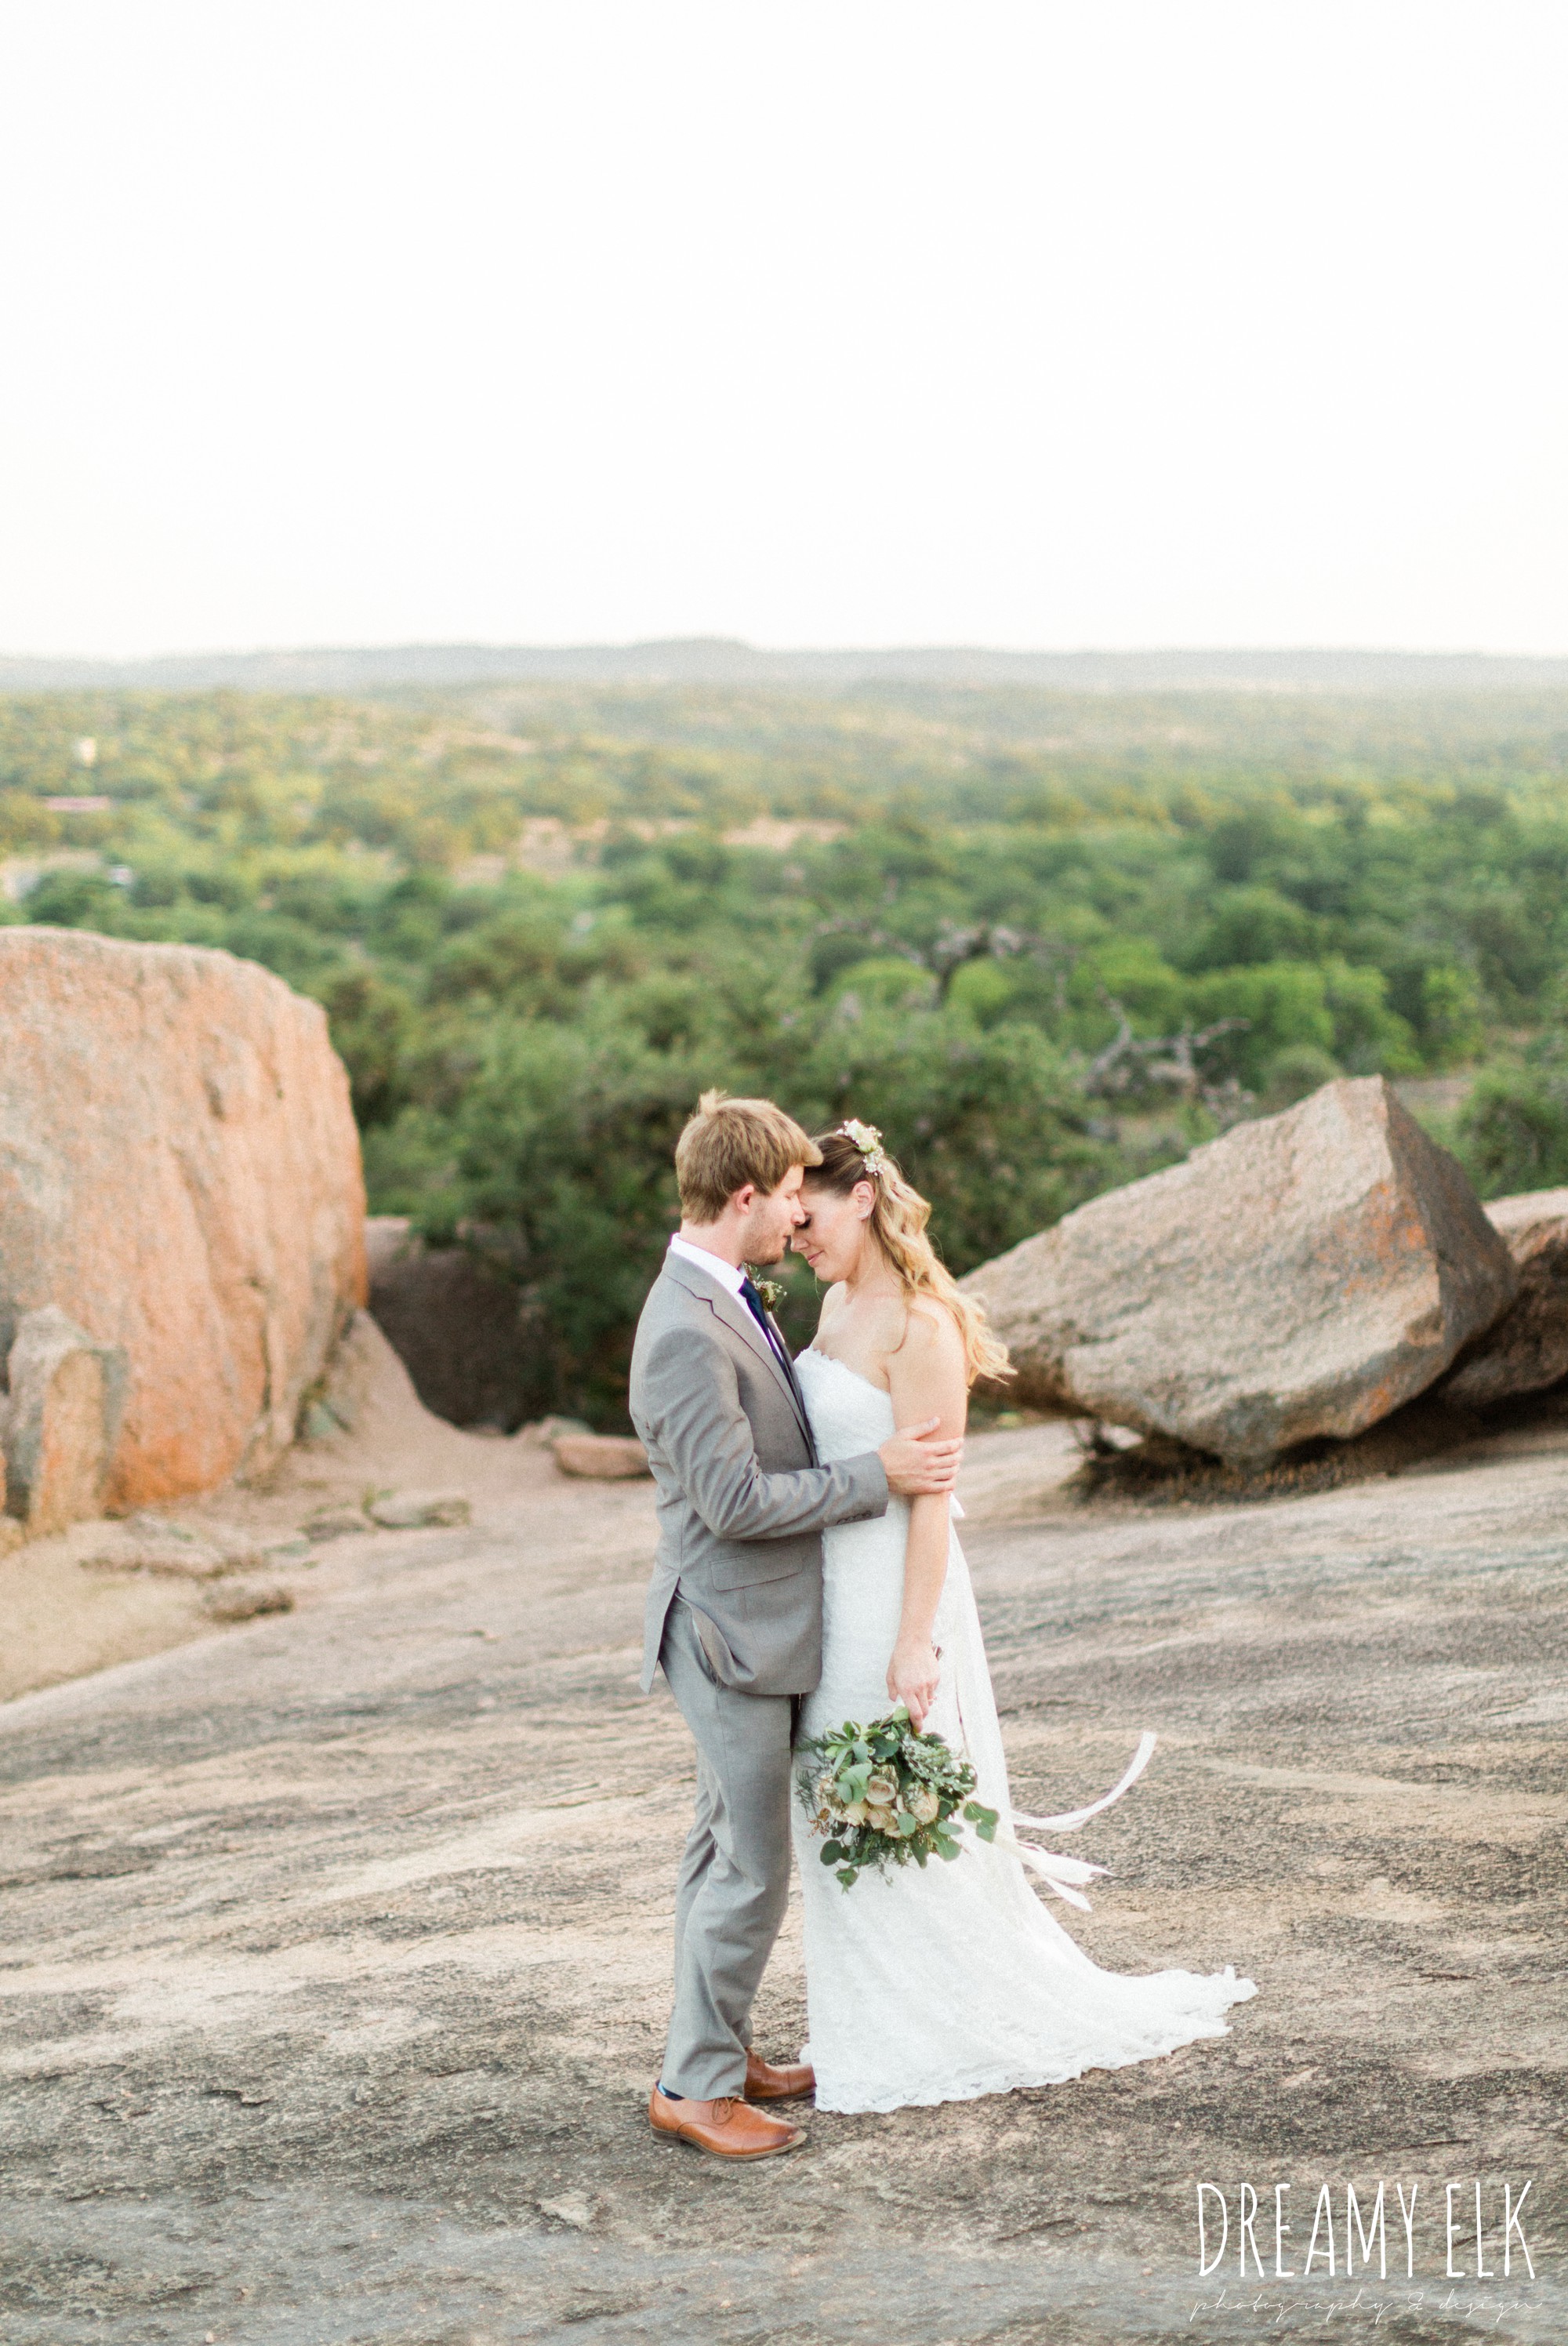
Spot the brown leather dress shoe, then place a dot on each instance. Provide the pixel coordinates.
(727, 2127)
(765, 2082)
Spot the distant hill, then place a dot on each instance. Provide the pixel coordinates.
(719, 660)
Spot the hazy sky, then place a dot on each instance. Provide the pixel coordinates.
(874, 321)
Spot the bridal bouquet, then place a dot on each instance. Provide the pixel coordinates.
(881, 1795)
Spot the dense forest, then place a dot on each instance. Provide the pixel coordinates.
(1047, 941)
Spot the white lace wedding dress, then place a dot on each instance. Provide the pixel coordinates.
(940, 1984)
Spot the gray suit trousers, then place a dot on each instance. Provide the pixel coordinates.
(734, 1881)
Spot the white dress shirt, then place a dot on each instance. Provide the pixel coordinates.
(713, 1264)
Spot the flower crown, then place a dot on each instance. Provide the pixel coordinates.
(868, 1141)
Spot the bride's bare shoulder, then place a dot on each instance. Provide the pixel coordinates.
(930, 1332)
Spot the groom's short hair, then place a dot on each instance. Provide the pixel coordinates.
(729, 1142)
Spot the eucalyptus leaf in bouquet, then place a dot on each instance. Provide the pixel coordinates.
(880, 1795)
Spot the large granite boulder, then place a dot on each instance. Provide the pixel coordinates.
(179, 1177)
(1527, 1349)
(1302, 1275)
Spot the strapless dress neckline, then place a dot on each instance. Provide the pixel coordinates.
(811, 1352)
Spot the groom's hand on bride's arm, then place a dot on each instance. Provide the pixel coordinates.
(920, 1462)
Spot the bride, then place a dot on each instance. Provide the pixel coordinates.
(935, 1984)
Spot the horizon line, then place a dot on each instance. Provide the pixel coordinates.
(905, 647)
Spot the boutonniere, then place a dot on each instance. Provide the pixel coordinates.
(771, 1291)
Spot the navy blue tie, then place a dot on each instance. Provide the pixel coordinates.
(758, 1310)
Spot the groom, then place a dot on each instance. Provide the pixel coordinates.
(734, 1609)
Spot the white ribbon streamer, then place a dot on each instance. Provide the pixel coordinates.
(981, 1734)
(1058, 1872)
(1074, 1818)
(1061, 1875)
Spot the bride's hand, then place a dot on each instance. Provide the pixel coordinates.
(913, 1678)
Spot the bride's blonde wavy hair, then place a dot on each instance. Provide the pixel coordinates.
(897, 1221)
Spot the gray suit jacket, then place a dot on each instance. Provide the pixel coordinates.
(742, 1502)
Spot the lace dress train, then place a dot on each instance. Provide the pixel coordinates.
(940, 1984)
